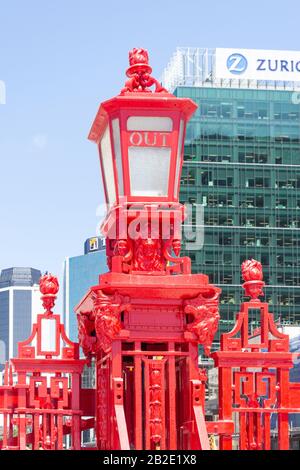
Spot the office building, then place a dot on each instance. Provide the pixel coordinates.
(242, 164)
(80, 273)
(19, 304)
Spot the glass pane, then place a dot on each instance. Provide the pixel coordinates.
(179, 150)
(48, 334)
(108, 168)
(149, 171)
(149, 123)
(117, 145)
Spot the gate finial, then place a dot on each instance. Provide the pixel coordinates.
(49, 287)
(252, 274)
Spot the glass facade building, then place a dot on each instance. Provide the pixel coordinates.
(80, 273)
(242, 164)
(20, 302)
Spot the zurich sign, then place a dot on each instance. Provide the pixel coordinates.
(237, 64)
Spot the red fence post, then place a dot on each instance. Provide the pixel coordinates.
(225, 403)
(40, 399)
(283, 403)
(254, 373)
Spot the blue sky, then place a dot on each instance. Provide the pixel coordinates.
(59, 59)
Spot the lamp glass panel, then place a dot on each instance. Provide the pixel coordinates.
(178, 160)
(149, 123)
(118, 154)
(149, 171)
(107, 162)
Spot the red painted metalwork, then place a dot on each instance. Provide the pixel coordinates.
(145, 319)
(254, 373)
(139, 73)
(41, 398)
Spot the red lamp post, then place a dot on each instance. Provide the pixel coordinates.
(145, 319)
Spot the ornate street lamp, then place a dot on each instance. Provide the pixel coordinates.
(145, 319)
(140, 137)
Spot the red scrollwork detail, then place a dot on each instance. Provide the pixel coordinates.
(252, 274)
(103, 408)
(205, 324)
(85, 330)
(261, 385)
(106, 315)
(156, 390)
(123, 248)
(139, 73)
(148, 255)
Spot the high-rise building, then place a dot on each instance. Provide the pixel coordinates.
(19, 304)
(80, 273)
(242, 163)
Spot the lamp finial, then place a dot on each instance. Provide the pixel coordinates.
(139, 74)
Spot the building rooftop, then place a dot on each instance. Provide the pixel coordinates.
(19, 277)
(207, 67)
(93, 244)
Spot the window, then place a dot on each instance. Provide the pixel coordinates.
(257, 182)
(252, 201)
(225, 239)
(107, 165)
(206, 178)
(281, 203)
(227, 258)
(252, 157)
(149, 170)
(248, 240)
(188, 177)
(209, 258)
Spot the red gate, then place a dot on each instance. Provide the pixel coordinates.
(41, 400)
(254, 373)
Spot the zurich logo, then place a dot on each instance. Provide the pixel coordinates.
(237, 64)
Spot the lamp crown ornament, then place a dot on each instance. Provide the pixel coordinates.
(139, 74)
(252, 274)
(49, 287)
(139, 56)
